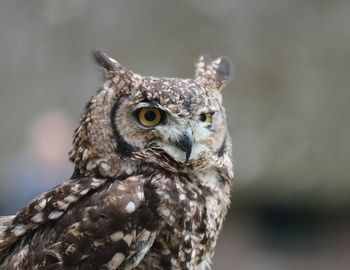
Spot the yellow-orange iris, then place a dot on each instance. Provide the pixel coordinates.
(149, 117)
(207, 118)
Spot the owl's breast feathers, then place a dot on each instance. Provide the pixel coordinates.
(160, 221)
(191, 216)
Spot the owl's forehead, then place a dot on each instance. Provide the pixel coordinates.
(175, 94)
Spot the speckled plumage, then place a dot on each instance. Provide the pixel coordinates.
(139, 198)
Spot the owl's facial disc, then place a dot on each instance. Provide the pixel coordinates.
(185, 127)
(150, 117)
(185, 138)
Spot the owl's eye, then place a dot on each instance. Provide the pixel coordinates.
(149, 117)
(207, 118)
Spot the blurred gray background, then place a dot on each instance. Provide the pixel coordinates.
(288, 108)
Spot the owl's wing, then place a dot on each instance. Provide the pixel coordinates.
(86, 223)
(46, 207)
(5, 220)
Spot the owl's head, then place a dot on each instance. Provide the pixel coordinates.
(172, 122)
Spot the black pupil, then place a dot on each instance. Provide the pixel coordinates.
(203, 117)
(150, 116)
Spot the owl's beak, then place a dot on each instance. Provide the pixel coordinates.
(185, 143)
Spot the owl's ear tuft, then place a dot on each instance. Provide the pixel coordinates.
(213, 73)
(103, 60)
(224, 70)
(112, 68)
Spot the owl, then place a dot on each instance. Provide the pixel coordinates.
(151, 184)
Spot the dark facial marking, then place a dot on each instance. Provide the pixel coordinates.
(222, 148)
(124, 148)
